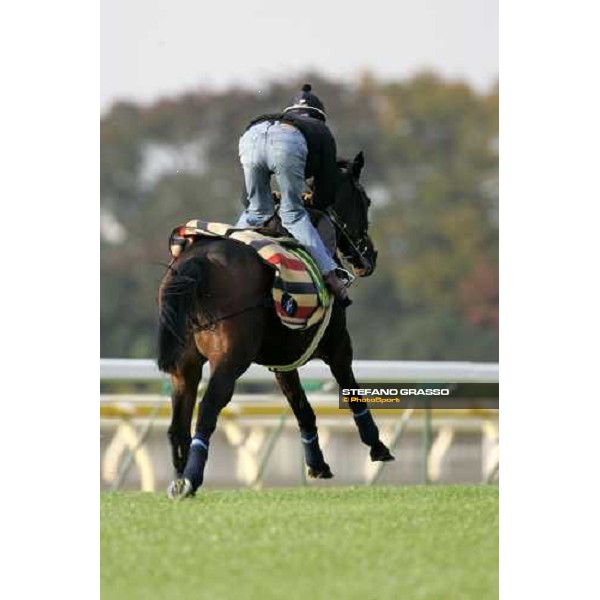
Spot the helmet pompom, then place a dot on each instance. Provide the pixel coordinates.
(306, 87)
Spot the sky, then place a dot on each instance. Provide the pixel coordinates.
(152, 48)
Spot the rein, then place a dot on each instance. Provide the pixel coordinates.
(342, 228)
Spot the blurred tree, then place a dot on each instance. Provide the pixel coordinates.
(432, 173)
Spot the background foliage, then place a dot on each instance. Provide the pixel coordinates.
(431, 148)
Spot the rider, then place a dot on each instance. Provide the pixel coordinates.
(294, 145)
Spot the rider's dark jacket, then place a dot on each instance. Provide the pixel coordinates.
(322, 153)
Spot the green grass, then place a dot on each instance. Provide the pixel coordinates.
(309, 543)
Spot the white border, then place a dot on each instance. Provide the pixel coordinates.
(549, 299)
(50, 300)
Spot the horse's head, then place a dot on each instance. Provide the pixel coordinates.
(350, 214)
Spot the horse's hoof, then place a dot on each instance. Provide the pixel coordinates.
(381, 453)
(323, 472)
(179, 489)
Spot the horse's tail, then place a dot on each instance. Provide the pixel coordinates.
(178, 301)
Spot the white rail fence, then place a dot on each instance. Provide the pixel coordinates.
(364, 370)
(254, 425)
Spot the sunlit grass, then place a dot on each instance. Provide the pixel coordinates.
(308, 543)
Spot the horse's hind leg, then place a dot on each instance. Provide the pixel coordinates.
(339, 359)
(184, 386)
(290, 385)
(218, 393)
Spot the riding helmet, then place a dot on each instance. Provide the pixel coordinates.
(308, 102)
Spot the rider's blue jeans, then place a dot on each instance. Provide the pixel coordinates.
(279, 148)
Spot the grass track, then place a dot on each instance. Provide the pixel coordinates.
(311, 543)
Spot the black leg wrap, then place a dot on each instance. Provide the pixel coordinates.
(313, 456)
(368, 431)
(312, 451)
(194, 469)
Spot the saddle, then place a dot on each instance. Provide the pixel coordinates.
(300, 297)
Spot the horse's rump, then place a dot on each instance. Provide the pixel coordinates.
(299, 295)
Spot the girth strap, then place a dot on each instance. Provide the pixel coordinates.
(311, 347)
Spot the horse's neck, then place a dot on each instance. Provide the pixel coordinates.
(275, 227)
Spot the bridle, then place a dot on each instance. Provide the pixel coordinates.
(359, 244)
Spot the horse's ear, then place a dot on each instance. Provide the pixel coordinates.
(357, 164)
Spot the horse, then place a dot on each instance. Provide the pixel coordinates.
(213, 308)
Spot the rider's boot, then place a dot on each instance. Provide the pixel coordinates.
(336, 285)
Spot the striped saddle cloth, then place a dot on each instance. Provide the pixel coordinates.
(299, 293)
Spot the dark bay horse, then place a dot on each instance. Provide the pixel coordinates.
(213, 308)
